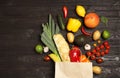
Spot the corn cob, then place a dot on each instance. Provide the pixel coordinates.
(62, 46)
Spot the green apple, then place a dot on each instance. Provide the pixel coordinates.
(106, 34)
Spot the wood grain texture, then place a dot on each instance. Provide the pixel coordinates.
(20, 26)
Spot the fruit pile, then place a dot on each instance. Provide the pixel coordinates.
(95, 43)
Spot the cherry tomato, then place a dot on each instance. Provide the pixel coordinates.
(101, 46)
(108, 47)
(102, 53)
(98, 54)
(47, 58)
(92, 57)
(98, 48)
(99, 60)
(105, 43)
(94, 51)
(88, 53)
(106, 51)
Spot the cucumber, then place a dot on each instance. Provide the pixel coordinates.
(61, 23)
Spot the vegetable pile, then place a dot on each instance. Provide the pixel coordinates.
(67, 47)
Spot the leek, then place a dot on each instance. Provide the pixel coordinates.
(49, 29)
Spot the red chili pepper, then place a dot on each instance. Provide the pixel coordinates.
(84, 32)
(65, 11)
(75, 54)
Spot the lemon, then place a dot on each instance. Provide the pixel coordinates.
(80, 10)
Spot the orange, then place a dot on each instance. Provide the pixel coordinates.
(91, 20)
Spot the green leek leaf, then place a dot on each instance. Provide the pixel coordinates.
(49, 29)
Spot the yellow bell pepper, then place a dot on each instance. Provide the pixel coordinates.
(73, 24)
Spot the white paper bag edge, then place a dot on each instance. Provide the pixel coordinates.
(78, 63)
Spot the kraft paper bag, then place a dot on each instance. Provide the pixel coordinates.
(73, 70)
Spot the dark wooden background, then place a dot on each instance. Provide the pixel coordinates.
(20, 26)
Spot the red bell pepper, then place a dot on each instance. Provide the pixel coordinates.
(75, 54)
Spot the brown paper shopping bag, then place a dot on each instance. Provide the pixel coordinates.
(73, 70)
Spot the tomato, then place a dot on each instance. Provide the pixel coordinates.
(88, 53)
(47, 58)
(94, 51)
(102, 53)
(106, 51)
(98, 54)
(99, 60)
(108, 47)
(99, 51)
(92, 57)
(105, 43)
(98, 48)
(101, 46)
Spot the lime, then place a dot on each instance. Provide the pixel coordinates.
(39, 48)
(106, 34)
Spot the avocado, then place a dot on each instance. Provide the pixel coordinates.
(81, 40)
